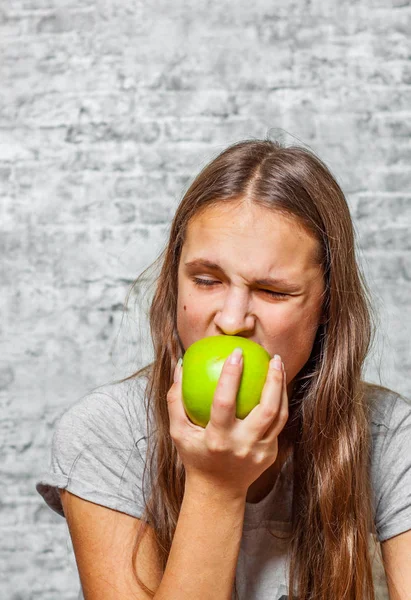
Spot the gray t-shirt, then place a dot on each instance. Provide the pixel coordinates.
(98, 453)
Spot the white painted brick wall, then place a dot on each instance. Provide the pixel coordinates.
(107, 109)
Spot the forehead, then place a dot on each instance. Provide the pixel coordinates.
(251, 234)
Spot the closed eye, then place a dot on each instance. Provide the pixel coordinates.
(209, 282)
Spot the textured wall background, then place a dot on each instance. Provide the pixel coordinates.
(107, 110)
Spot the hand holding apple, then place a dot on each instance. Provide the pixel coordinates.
(203, 362)
(229, 454)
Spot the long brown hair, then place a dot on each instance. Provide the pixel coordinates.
(332, 513)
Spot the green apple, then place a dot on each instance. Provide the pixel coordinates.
(203, 362)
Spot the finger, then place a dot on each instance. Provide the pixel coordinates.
(175, 403)
(265, 414)
(223, 408)
(280, 421)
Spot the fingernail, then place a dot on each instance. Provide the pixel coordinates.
(177, 370)
(235, 357)
(275, 362)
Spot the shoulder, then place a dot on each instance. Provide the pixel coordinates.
(118, 410)
(390, 460)
(98, 449)
(388, 409)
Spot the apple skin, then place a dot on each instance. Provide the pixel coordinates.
(203, 362)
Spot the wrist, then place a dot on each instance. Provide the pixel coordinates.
(207, 489)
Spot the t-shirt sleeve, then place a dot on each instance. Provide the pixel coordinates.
(98, 453)
(391, 471)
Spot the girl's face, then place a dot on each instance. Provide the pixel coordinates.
(247, 271)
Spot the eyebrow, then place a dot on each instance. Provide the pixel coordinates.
(267, 281)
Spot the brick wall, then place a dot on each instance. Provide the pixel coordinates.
(107, 109)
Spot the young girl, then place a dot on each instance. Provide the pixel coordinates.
(281, 504)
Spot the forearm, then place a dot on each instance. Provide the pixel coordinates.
(205, 548)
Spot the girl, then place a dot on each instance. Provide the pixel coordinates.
(283, 503)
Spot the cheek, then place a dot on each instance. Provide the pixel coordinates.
(294, 330)
(304, 324)
(285, 319)
(191, 312)
(190, 304)
(300, 337)
(190, 315)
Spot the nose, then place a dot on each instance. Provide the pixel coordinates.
(233, 317)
